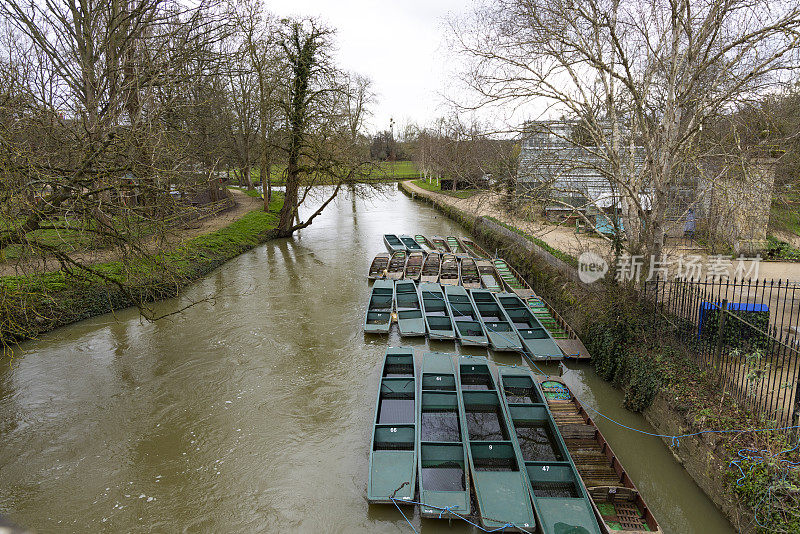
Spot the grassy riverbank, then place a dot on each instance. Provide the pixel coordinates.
(35, 304)
(436, 188)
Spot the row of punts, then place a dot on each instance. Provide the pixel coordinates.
(449, 268)
(460, 261)
(520, 444)
(475, 317)
(420, 243)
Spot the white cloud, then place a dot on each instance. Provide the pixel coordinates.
(396, 43)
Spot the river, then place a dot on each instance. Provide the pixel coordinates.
(250, 411)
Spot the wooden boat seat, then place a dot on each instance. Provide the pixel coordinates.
(576, 431)
(602, 494)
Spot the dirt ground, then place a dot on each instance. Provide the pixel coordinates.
(242, 205)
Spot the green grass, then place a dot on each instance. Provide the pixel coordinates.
(71, 236)
(37, 303)
(780, 250)
(249, 192)
(563, 256)
(462, 193)
(785, 217)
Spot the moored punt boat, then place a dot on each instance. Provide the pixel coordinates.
(440, 243)
(409, 309)
(393, 242)
(499, 329)
(473, 248)
(410, 244)
(468, 326)
(377, 268)
(414, 265)
(618, 504)
(449, 272)
(444, 487)
(431, 267)
(489, 278)
(560, 500)
(536, 340)
(397, 265)
(455, 246)
(512, 280)
(470, 278)
(393, 450)
(379, 309)
(425, 242)
(434, 309)
(498, 476)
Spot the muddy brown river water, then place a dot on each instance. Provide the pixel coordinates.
(251, 411)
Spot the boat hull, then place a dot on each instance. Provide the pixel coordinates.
(393, 450)
(444, 482)
(410, 321)
(498, 327)
(378, 318)
(438, 321)
(500, 485)
(393, 243)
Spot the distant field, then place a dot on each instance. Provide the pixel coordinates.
(384, 171)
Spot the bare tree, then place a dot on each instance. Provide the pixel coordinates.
(643, 76)
(323, 108)
(95, 138)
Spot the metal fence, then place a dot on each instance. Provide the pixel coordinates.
(746, 332)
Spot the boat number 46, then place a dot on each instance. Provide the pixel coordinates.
(393, 430)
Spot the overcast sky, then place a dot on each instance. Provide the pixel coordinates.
(396, 43)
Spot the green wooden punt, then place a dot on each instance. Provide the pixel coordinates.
(393, 242)
(470, 278)
(468, 326)
(499, 329)
(473, 248)
(455, 245)
(393, 450)
(546, 316)
(379, 309)
(501, 486)
(444, 482)
(489, 278)
(410, 244)
(560, 500)
(377, 268)
(397, 265)
(440, 243)
(431, 268)
(425, 242)
(513, 281)
(618, 505)
(413, 267)
(536, 340)
(434, 309)
(409, 310)
(449, 274)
